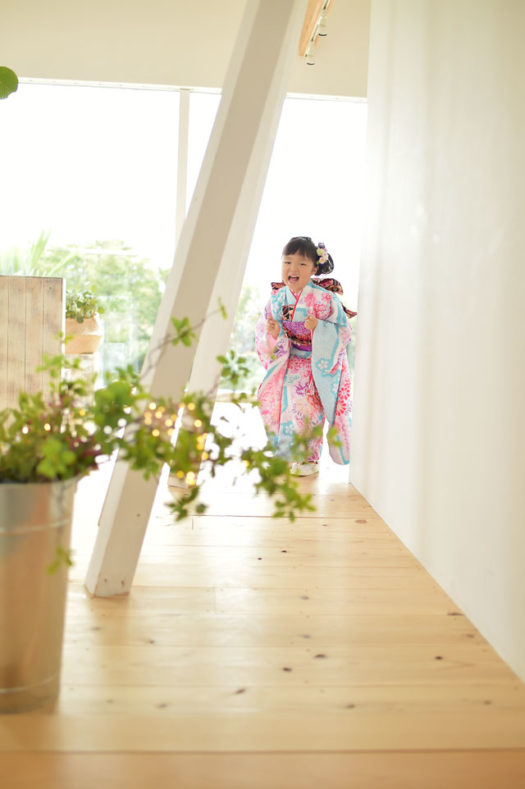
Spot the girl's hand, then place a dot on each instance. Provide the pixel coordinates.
(311, 322)
(272, 327)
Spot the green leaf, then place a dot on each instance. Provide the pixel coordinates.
(62, 557)
(183, 331)
(8, 82)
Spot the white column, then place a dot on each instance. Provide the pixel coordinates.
(182, 160)
(210, 258)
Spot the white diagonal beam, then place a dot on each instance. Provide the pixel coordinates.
(210, 258)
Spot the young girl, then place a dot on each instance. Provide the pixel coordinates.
(301, 340)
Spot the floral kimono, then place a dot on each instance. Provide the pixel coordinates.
(307, 377)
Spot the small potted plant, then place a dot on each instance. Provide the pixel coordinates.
(47, 443)
(83, 329)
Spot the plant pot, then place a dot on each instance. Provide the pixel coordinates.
(86, 336)
(35, 520)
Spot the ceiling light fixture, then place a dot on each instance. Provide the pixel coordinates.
(315, 28)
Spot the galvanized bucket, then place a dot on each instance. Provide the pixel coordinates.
(35, 521)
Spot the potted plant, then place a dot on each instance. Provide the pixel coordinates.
(83, 329)
(47, 443)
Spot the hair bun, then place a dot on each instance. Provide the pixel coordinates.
(326, 263)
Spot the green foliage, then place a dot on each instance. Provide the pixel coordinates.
(131, 292)
(242, 340)
(275, 480)
(8, 82)
(333, 438)
(129, 288)
(62, 557)
(235, 368)
(184, 332)
(67, 432)
(80, 306)
(28, 261)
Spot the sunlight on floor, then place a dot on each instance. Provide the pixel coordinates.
(248, 428)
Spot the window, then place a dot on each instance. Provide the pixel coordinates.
(95, 168)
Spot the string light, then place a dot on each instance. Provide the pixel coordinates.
(201, 441)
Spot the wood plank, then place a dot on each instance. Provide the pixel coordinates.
(253, 573)
(244, 565)
(32, 314)
(321, 631)
(415, 664)
(274, 601)
(172, 629)
(318, 527)
(262, 732)
(336, 700)
(53, 314)
(472, 769)
(17, 339)
(4, 338)
(34, 332)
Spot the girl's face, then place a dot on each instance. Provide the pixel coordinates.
(296, 271)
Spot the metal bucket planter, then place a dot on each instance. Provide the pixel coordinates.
(35, 520)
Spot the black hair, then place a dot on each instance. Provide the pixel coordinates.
(303, 245)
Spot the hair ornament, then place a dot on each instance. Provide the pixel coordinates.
(325, 264)
(322, 254)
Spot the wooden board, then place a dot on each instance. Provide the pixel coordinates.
(31, 318)
(472, 769)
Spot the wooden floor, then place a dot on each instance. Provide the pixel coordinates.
(257, 653)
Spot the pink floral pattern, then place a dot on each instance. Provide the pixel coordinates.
(307, 377)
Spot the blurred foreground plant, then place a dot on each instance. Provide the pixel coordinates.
(68, 431)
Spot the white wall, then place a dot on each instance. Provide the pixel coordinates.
(166, 42)
(439, 419)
